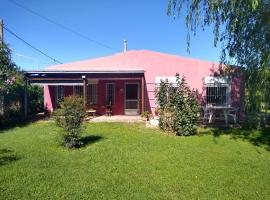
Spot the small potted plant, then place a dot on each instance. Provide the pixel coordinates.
(146, 115)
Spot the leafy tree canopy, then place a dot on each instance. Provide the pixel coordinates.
(242, 26)
(243, 29)
(9, 72)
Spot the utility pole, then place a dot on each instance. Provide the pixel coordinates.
(1, 33)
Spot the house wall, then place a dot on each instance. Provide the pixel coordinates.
(49, 96)
(117, 107)
(194, 71)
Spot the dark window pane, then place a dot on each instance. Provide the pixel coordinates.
(131, 91)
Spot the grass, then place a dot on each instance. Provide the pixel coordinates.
(121, 161)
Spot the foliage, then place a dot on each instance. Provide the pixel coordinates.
(11, 88)
(130, 161)
(12, 91)
(35, 99)
(243, 29)
(8, 70)
(178, 107)
(146, 114)
(70, 118)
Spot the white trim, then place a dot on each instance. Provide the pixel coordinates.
(217, 80)
(171, 79)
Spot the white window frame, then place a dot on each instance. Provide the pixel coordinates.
(113, 92)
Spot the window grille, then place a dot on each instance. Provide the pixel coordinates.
(110, 93)
(217, 94)
(92, 94)
(78, 90)
(59, 93)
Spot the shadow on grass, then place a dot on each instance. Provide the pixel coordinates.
(22, 123)
(7, 157)
(257, 137)
(91, 139)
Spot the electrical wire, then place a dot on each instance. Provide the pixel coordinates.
(27, 43)
(64, 27)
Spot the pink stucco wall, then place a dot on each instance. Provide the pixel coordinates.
(49, 96)
(154, 64)
(194, 72)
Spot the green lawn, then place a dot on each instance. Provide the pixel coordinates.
(128, 161)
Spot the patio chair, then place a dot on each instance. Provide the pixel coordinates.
(207, 115)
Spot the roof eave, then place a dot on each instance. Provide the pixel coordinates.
(85, 72)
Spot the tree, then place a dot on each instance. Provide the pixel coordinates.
(12, 91)
(243, 29)
(8, 70)
(8, 74)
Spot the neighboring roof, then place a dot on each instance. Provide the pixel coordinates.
(126, 61)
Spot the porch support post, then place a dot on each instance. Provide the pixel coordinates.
(25, 98)
(84, 92)
(142, 94)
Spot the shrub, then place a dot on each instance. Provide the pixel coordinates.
(178, 107)
(146, 115)
(35, 99)
(70, 118)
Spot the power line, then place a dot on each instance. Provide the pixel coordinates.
(64, 27)
(18, 37)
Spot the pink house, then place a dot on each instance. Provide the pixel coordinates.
(128, 80)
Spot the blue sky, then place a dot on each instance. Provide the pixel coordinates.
(143, 23)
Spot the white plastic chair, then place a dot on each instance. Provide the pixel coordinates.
(207, 114)
(233, 113)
